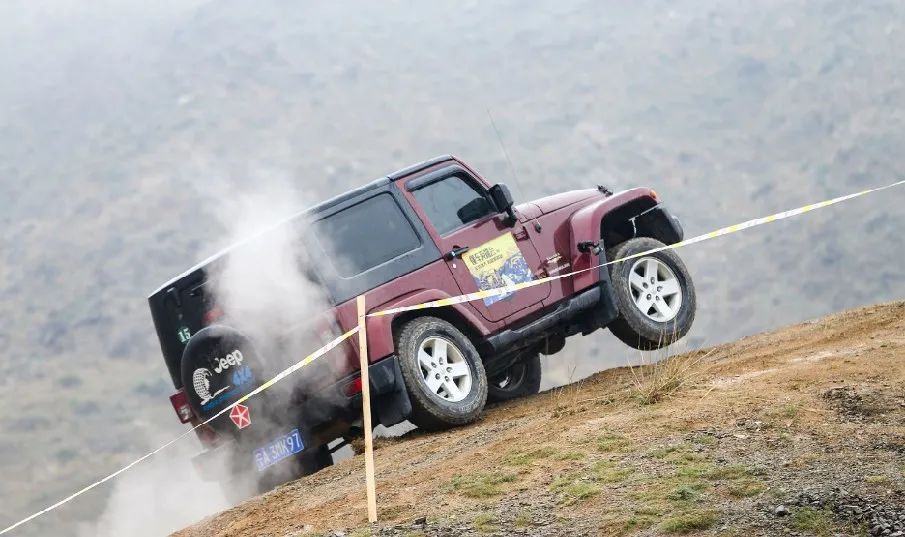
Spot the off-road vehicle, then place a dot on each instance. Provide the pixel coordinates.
(430, 231)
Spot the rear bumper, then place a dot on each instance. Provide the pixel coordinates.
(333, 412)
(320, 417)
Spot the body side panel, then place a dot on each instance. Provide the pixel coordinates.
(475, 235)
(584, 225)
(407, 290)
(565, 199)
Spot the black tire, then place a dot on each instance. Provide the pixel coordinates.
(219, 366)
(633, 327)
(430, 410)
(521, 379)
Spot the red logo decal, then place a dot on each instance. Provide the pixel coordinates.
(240, 416)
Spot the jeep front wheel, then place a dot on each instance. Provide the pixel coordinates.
(443, 374)
(654, 294)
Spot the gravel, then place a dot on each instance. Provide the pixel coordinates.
(881, 517)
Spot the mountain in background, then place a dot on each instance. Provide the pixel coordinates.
(122, 125)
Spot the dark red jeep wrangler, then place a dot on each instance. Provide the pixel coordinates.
(431, 231)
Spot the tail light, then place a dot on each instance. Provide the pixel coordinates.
(212, 315)
(181, 405)
(354, 387)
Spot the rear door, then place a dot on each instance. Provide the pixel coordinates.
(489, 252)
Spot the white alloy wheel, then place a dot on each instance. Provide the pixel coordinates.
(445, 371)
(655, 289)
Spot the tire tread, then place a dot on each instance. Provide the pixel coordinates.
(428, 413)
(632, 327)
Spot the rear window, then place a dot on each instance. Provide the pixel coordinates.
(366, 235)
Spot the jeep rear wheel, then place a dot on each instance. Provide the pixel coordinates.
(654, 294)
(521, 379)
(443, 374)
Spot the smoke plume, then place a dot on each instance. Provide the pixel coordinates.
(262, 287)
(158, 497)
(262, 284)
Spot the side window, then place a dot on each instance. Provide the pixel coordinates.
(453, 202)
(365, 235)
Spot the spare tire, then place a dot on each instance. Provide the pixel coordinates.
(219, 366)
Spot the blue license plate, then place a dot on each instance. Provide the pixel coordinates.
(278, 449)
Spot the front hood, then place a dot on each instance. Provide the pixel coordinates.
(564, 199)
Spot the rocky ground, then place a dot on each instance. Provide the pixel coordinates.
(799, 431)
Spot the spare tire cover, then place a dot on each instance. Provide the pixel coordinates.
(219, 366)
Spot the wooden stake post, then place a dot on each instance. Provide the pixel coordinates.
(366, 410)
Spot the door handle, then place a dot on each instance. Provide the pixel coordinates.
(457, 251)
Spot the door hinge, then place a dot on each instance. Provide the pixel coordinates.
(521, 234)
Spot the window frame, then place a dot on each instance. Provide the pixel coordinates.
(343, 289)
(419, 183)
(402, 212)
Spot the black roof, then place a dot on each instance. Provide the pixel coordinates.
(414, 168)
(383, 181)
(320, 207)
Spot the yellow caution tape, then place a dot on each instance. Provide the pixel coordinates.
(479, 295)
(283, 374)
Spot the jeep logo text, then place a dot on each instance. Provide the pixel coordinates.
(232, 359)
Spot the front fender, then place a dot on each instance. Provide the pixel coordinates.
(585, 225)
(381, 342)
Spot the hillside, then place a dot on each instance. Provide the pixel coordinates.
(797, 430)
(133, 133)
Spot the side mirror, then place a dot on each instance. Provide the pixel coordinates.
(502, 198)
(475, 210)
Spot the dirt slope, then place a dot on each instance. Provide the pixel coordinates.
(797, 431)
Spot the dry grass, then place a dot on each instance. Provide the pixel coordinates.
(690, 521)
(813, 521)
(566, 397)
(652, 382)
(485, 522)
(573, 489)
(479, 485)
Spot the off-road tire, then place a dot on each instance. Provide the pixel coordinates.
(430, 411)
(521, 380)
(633, 327)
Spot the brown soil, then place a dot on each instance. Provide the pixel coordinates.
(762, 437)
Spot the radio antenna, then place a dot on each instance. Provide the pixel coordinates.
(503, 147)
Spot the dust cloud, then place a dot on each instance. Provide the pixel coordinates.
(263, 289)
(158, 497)
(268, 292)
(262, 284)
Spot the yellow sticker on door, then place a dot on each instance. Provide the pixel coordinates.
(497, 263)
